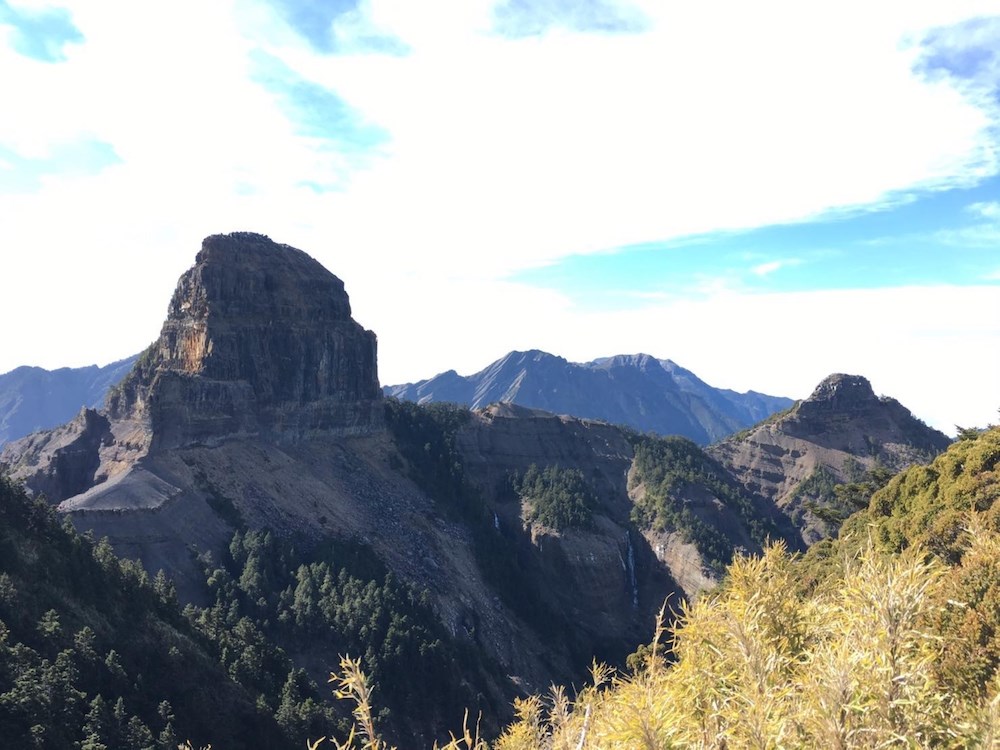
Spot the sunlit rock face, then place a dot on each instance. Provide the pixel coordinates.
(258, 343)
(258, 339)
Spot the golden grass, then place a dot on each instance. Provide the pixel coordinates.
(761, 665)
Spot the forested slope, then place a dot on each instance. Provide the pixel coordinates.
(92, 651)
(886, 637)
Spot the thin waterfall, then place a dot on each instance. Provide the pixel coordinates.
(630, 569)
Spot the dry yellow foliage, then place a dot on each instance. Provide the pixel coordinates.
(759, 664)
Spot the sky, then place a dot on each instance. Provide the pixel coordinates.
(765, 193)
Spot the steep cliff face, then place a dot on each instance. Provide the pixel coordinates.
(841, 431)
(259, 407)
(505, 438)
(259, 339)
(258, 343)
(604, 579)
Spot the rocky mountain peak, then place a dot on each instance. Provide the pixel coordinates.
(842, 430)
(248, 276)
(840, 391)
(258, 339)
(638, 361)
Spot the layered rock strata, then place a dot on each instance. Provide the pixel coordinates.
(837, 434)
(258, 339)
(258, 342)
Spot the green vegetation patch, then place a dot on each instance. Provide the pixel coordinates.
(947, 510)
(559, 498)
(930, 505)
(425, 436)
(670, 468)
(273, 599)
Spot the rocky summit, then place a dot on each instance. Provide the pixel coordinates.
(258, 339)
(258, 407)
(837, 435)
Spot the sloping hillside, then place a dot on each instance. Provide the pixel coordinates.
(93, 649)
(887, 637)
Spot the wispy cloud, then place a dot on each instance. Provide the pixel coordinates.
(983, 232)
(523, 18)
(766, 269)
(979, 235)
(967, 52)
(315, 110)
(338, 26)
(41, 34)
(985, 209)
(20, 174)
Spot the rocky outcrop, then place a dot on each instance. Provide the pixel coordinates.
(258, 343)
(64, 461)
(636, 390)
(259, 339)
(504, 439)
(258, 407)
(837, 434)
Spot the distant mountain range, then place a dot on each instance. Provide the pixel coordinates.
(32, 398)
(649, 394)
(638, 390)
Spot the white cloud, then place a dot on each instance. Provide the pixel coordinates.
(769, 267)
(985, 209)
(507, 154)
(503, 155)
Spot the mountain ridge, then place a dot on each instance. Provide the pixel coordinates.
(838, 434)
(639, 390)
(224, 426)
(34, 398)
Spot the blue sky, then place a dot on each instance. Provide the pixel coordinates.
(765, 193)
(950, 238)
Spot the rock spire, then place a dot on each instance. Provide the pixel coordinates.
(258, 339)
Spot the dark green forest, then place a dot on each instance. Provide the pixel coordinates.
(96, 653)
(559, 498)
